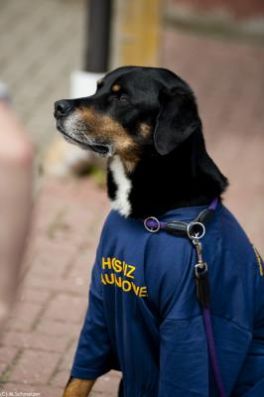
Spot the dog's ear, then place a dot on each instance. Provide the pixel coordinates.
(177, 120)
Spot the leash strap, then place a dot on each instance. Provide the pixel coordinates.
(195, 231)
(180, 228)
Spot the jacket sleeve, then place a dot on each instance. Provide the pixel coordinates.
(251, 378)
(93, 356)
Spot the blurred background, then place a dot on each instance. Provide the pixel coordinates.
(216, 45)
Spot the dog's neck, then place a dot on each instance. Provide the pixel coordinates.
(186, 177)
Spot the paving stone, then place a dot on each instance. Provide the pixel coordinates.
(7, 356)
(34, 295)
(108, 384)
(26, 27)
(38, 390)
(56, 284)
(36, 341)
(34, 367)
(57, 328)
(61, 378)
(68, 356)
(66, 308)
(24, 316)
(53, 262)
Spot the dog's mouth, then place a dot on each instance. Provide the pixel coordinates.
(104, 149)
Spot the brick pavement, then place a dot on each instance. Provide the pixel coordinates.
(37, 348)
(41, 44)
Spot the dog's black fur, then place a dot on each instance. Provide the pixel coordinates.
(162, 150)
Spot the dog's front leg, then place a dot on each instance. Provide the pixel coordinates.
(78, 388)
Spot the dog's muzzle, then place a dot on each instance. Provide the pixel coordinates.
(63, 110)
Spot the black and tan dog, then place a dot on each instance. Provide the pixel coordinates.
(145, 120)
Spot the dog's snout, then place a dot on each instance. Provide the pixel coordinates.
(62, 108)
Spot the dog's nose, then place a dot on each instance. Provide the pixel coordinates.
(62, 108)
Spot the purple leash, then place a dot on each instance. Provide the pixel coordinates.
(212, 351)
(195, 231)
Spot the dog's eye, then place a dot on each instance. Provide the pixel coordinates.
(118, 97)
(123, 98)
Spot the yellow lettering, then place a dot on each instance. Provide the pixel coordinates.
(126, 286)
(143, 292)
(102, 279)
(116, 263)
(108, 279)
(130, 270)
(124, 267)
(127, 270)
(135, 288)
(118, 281)
(106, 263)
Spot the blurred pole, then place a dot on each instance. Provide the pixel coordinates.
(137, 31)
(97, 42)
(118, 33)
(98, 37)
(97, 48)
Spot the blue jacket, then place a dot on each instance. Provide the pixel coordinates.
(144, 319)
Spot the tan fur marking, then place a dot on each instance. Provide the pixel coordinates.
(116, 88)
(78, 388)
(144, 129)
(130, 165)
(107, 129)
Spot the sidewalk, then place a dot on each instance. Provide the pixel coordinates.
(38, 347)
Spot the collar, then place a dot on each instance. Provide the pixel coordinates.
(180, 227)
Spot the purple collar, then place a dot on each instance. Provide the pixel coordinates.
(154, 225)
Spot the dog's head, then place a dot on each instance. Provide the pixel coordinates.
(134, 109)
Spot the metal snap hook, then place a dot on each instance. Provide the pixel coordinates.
(152, 224)
(195, 230)
(200, 269)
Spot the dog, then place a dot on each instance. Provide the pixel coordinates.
(143, 316)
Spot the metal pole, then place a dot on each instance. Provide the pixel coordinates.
(98, 38)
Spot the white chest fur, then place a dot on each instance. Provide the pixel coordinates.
(121, 202)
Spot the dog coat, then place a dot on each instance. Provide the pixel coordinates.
(144, 319)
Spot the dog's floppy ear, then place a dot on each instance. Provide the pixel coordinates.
(177, 120)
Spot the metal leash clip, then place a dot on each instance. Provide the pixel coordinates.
(201, 266)
(196, 231)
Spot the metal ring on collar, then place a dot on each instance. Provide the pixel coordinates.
(155, 227)
(196, 230)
